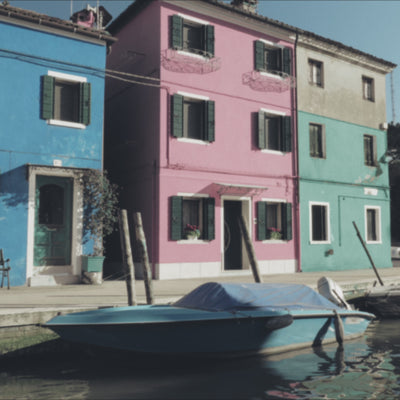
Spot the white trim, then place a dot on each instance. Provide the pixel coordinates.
(271, 75)
(195, 195)
(273, 44)
(67, 77)
(378, 223)
(189, 54)
(193, 96)
(273, 112)
(328, 222)
(66, 124)
(194, 141)
(193, 19)
(268, 200)
(277, 152)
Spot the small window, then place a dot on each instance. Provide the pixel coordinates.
(192, 216)
(315, 72)
(370, 152)
(373, 224)
(319, 223)
(317, 141)
(272, 59)
(274, 132)
(192, 37)
(51, 205)
(274, 220)
(66, 100)
(368, 88)
(193, 118)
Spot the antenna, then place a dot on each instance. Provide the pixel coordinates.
(71, 11)
(392, 97)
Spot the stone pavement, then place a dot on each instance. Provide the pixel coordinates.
(22, 306)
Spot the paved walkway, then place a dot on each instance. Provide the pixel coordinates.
(25, 306)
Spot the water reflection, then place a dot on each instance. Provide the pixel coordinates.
(363, 369)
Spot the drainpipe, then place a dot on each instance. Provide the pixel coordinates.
(296, 177)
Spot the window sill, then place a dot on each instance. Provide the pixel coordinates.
(192, 241)
(271, 75)
(373, 242)
(194, 141)
(277, 152)
(320, 242)
(66, 124)
(272, 241)
(194, 55)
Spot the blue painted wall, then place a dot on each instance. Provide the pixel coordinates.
(25, 56)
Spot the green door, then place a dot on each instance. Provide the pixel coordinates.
(53, 221)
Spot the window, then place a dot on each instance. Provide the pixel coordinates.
(271, 58)
(274, 220)
(315, 72)
(368, 88)
(274, 132)
(317, 141)
(194, 211)
(370, 151)
(66, 99)
(51, 205)
(373, 224)
(319, 223)
(192, 35)
(193, 118)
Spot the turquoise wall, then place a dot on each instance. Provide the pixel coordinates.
(344, 182)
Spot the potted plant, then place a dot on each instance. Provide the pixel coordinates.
(100, 216)
(192, 232)
(275, 233)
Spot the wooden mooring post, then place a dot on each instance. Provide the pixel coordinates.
(250, 250)
(127, 257)
(143, 256)
(368, 254)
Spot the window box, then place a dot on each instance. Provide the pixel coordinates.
(92, 263)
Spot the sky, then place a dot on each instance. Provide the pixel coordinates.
(367, 25)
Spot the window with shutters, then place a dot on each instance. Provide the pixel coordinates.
(370, 151)
(66, 100)
(316, 73)
(319, 223)
(192, 35)
(274, 132)
(317, 141)
(272, 59)
(189, 212)
(274, 220)
(193, 118)
(373, 224)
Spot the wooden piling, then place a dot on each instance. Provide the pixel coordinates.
(368, 254)
(127, 257)
(143, 256)
(250, 250)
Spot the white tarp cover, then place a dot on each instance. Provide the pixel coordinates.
(214, 296)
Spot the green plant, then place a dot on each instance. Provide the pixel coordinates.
(100, 208)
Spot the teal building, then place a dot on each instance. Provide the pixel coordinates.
(342, 162)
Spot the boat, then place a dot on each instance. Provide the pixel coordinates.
(383, 301)
(219, 319)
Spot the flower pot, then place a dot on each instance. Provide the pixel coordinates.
(191, 236)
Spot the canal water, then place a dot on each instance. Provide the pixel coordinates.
(368, 368)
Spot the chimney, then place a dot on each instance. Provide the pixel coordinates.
(246, 5)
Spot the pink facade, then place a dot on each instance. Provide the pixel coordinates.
(155, 165)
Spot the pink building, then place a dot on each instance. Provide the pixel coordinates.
(200, 130)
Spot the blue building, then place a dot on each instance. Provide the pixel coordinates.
(51, 108)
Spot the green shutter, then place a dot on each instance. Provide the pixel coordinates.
(261, 142)
(176, 217)
(47, 97)
(259, 48)
(261, 220)
(287, 221)
(287, 60)
(209, 40)
(210, 121)
(177, 32)
(84, 103)
(208, 219)
(287, 134)
(177, 115)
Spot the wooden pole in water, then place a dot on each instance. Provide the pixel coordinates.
(250, 250)
(143, 256)
(127, 257)
(368, 254)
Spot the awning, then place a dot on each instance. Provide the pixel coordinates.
(237, 189)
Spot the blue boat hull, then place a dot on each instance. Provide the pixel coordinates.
(173, 331)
